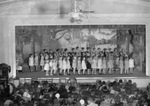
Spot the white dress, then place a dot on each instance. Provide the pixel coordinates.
(84, 65)
(121, 64)
(36, 61)
(110, 63)
(64, 64)
(131, 63)
(51, 64)
(46, 65)
(31, 61)
(94, 64)
(104, 63)
(99, 63)
(60, 64)
(74, 65)
(42, 61)
(54, 65)
(126, 63)
(68, 64)
(117, 61)
(79, 65)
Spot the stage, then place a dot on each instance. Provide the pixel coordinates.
(137, 77)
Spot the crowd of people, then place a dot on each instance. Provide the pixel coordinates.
(101, 93)
(82, 61)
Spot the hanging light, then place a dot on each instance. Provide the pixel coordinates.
(76, 14)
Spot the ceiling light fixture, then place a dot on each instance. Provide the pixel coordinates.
(76, 14)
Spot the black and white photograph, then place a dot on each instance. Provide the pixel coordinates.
(74, 53)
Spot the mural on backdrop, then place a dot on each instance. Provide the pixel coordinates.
(103, 38)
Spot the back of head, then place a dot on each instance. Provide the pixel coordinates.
(90, 99)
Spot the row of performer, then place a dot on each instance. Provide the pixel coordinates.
(65, 64)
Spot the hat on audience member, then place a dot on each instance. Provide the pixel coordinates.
(82, 102)
(57, 95)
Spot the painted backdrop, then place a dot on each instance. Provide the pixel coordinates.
(130, 38)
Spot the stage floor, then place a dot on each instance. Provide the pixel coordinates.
(40, 74)
(140, 78)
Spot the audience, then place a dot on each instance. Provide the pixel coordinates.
(101, 93)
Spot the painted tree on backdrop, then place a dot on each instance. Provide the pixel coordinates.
(26, 36)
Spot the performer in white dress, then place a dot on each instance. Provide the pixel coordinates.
(126, 64)
(51, 66)
(36, 61)
(46, 57)
(110, 63)
(79, 67)
(68, 65)
(84, 65)
(104, 65)
(42, 61)
(64, 65)
(117, 60)
(121, 66)
(60, 64)
(31, 63)
(54, 66)
(74, 65)
(46, 67)
(94, 65)
(100, 64)
(93, 52)
(131, 65)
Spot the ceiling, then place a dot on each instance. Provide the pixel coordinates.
(129, 1)
(51, 0)
(40, 7)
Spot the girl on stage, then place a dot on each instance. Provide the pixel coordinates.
(36, 61)
(79, 65)
(88, 60)
(78, 52)
(68, 67)
(46, 56)
(74, 65)
(88, 64)
(64, 65)
(104, 65)
(65, 53)
(84, 65)
(126, 64)
(54, 66)
(94, 65)
(46, 67)
(57, 54)
(121, 66)
(51, 55)
(100, 64)
(98, 52)
(31, 62)
(93, 52)
(131, 65)
(51, 66)
(117, 60)
(42, 61)
(110, 63)
(82, 53)
(60, 52)
(60, 65)
(88, 52)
